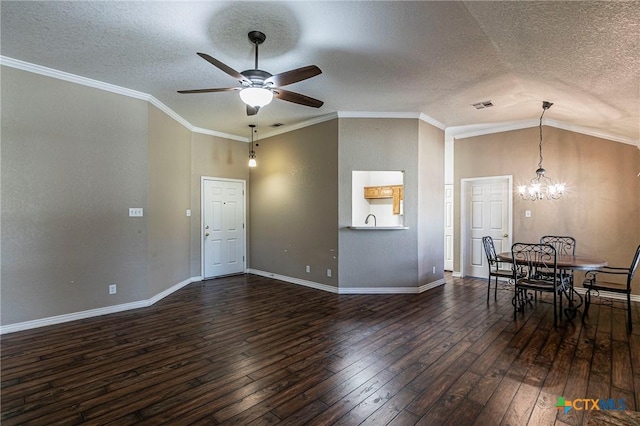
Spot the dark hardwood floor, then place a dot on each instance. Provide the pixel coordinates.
(249, 350)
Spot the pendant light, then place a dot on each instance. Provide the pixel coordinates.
(541, 187)
(252, 153)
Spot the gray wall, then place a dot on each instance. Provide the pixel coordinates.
(74, 159)
(212, 156)
(430, 203)
(378, 258)
(169, 197)
(601, 208)
(293, 204)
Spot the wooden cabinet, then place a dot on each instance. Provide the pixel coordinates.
(378, 192)
(395, 192)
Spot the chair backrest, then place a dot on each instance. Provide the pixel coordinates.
(490, 251)
(532, 257)
(562, 244)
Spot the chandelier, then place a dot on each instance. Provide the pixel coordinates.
(541, 187)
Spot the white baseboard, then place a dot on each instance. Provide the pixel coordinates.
(292, 280)
(609, 295)
(349, 290)
(431, 285)
(27, 325)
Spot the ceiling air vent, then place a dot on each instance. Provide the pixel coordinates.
(482, 105)
(277, 125)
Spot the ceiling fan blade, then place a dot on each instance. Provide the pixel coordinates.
(226, 68)
(293, 76)
(226, 89)
(297, 98)
(252, 110)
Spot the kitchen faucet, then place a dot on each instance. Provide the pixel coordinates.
(366, 221)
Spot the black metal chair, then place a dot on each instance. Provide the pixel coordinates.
(495, 270)
(592, 282)
(564, 245)
(532, 258)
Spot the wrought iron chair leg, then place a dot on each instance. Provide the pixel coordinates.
(555, 309)
(629, 311)
(587, 302)
(488, 287)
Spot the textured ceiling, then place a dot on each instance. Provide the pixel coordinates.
(435, 58)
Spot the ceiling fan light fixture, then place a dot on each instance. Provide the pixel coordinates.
(256, 97)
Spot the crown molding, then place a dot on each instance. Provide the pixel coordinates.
(430, 120)
(219, 134)
(472, 130)
(458, 132)
(61, 75)
(377, 114)
(299, 125)
(591, 132)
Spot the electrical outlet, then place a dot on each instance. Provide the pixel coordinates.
(527, 213)
(188, 213)
(112, 289)
(135, 212)
(329, 273)
(308, 269)
(434, 269)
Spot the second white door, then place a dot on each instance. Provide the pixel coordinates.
(488, 212)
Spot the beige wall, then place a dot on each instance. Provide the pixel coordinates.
(293, 204)
(601, 208)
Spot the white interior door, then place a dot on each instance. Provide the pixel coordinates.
(487, 212)
(223, 233)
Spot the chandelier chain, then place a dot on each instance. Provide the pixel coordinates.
(540, 144)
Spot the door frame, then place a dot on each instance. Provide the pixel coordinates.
(244, 218)
(465, 183)
(449, 231)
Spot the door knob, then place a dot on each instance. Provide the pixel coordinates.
(206, 235)
(505, 235)
(206, 227)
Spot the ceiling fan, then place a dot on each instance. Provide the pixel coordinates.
(257, 87)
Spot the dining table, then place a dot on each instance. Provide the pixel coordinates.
(576, 262)
(566, 262)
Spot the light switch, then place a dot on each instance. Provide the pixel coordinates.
(188, 212)
(527, 213)
(135, 212)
